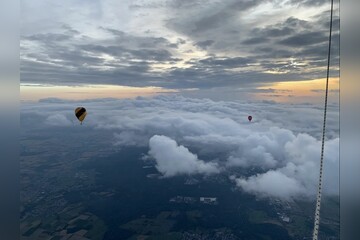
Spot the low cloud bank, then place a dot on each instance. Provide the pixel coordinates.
(282, 143)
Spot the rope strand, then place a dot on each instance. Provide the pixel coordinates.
(318, 197)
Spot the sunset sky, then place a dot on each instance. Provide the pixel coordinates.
(262, 50)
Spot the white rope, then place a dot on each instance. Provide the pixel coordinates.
(318, 197)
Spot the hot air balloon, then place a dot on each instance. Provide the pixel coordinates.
(80, 113)
(249, 118)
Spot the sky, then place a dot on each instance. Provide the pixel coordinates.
(231, 49)
(181, 77)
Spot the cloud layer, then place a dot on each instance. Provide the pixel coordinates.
(275, 155)
(202, 44)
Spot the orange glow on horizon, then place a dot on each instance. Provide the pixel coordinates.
(308, 85)
(33, 92)
(295, 91)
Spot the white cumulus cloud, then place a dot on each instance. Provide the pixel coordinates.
(271, 183)
(172, 159)
(299, 177)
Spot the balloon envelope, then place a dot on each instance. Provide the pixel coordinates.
(250, 118)
(80, 113)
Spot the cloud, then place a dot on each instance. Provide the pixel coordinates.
(322, 90)
(305, 39)
(204, 44)
(255, 40)
(172, 159)
(225, 62)
(58, 120)
(190, 45)
(271, 183)
(309, 2)
(299, 177)
(199, 136)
